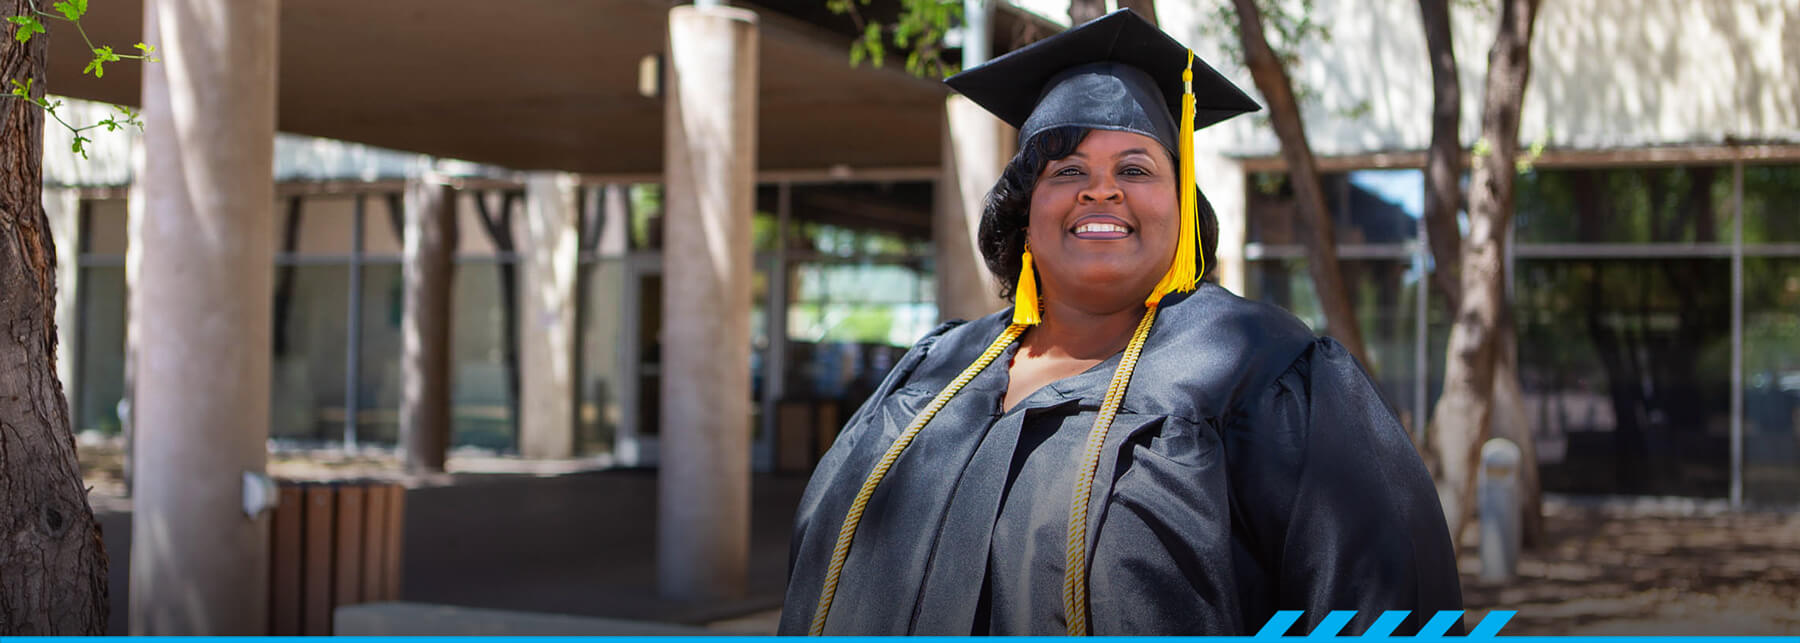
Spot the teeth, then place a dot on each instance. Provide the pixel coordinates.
(1100, 227)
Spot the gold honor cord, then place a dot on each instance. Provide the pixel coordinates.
(1075, 565)
(848, 532)
(1075, 574)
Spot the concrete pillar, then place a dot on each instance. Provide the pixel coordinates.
(615, 223)
(710, 166)
(1221, 179)
(428, 271)
(549, 258)
(205, 256)
(975, 148)
(62, 206)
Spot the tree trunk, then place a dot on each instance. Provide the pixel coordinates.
(1145, 8)
(1303, 172)
(1443, 161)
(1081, 11)
(52, 564)
(1463, 418)
(284, 276)
(1511, 422)
(499, 230)
(1443, 195)
(429, 272)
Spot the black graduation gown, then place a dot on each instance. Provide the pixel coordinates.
(1252, 468)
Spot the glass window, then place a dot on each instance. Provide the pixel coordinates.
(1384, 293)
(311, 325)
(1366, 206)
(1625, 205)
(646, 216)
(481, 399)
(480, 390)
(105, 231)
(1771, 204)
(101, 372)
(379, 387)
(602, 322)
(1625, 366)
(1772, 380)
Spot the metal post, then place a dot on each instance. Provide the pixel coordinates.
(1421, 340)
(353, 339)
(775, 356)
(1498, 483)
(1737, 334)
(976, 48)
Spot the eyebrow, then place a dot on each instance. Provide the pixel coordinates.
(1135, 150)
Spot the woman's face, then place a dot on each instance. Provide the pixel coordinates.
(1104, 220)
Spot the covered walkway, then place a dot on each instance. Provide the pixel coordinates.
(572, 544)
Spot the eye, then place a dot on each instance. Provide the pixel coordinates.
(1133, 170)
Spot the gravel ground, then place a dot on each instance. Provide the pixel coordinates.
(1650, 568)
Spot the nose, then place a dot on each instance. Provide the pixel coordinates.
(1102, 188)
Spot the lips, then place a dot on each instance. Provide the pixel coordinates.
(1100, 228)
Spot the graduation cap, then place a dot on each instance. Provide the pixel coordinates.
(1117, 72)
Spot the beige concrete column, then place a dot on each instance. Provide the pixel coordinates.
(975, 147)
(205, 252)
(428, 272)
(549, 257)
(1221, 179)
(62, 206)
(709, 139)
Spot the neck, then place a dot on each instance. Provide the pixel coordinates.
(1082, 334)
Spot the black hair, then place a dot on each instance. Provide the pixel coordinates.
(1008, 207)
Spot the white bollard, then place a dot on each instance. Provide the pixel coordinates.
(1498, 485)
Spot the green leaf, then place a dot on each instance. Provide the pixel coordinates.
(71, 9)
(27, 26)
(872, 41)
(76, 145)
(102, 55)
(22, 90)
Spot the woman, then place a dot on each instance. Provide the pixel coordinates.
(1134, 451)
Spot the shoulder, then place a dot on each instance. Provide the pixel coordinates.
(959, 336)
(1214, 314)
(1229, 347)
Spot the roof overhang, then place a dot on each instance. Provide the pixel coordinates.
(542, 84)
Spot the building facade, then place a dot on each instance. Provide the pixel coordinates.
(1655, 257)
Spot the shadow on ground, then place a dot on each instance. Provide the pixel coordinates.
(1620, 571)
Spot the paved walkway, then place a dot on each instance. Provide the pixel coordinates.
(577, 544)
(1651, 569)
(583, 544)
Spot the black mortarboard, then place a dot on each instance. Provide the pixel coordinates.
(1118, 72)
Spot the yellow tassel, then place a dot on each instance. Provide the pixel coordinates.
(1025, 297)
(1182, 275)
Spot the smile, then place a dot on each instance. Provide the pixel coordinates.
(1101, 230)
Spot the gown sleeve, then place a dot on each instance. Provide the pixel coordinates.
(1340, 508)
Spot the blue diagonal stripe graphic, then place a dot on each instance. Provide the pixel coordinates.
(1333, 623)
(1279, 624)
(1384, 626)
(1491, 624)
(1440, 623)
